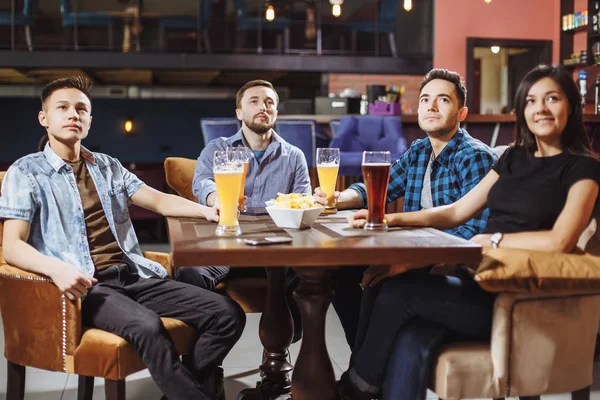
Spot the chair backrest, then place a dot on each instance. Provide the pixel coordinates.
(65, 7)
(334, 125)
(30, 7)
(300, 133)
(370, 133)
(207, 6)
(179, 173)
(213, 128)
(387, 12)
(241, 11)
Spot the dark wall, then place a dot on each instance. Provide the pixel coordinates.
(164, 128)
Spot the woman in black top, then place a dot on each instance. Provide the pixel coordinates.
(541, 195)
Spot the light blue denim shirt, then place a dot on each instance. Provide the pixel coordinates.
(282, 169)
(40, 188)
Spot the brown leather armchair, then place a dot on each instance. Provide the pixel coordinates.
(250, 293)
(42, 329)
(540, 344)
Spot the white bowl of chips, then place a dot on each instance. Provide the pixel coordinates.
(293, 211)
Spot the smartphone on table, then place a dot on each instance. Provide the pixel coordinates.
(268, 240)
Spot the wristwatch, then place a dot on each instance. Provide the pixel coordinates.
(496, 239)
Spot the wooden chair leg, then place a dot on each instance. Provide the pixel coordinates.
(85, 388)
(15, 385)
(581, 394)
(114, 390)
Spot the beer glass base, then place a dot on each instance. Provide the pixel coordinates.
(330, 210)
(228, 231)
(375, 227)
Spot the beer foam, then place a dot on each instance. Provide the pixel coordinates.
(377, 164)
(229, 171)
(332, 164)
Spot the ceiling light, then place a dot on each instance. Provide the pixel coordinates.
(408, 5)
(270, 13)
(488, 1)
(495, 49)
(336, 7)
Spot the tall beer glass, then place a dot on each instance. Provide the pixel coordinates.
(243, 153)
(376, 173)
(328, 165)
(228, 171)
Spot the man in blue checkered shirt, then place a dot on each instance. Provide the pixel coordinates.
(434, 171)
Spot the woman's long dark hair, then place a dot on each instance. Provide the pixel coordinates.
(574, 138)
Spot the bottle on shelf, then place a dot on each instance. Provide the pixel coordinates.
(583, 85)
(597, 95)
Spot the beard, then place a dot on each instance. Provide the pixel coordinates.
(260, 128)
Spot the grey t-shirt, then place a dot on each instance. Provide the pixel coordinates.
(426, 199)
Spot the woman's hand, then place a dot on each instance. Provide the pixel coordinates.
(358, 219)
(376, 273)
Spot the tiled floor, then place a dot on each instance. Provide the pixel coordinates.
(240, 368)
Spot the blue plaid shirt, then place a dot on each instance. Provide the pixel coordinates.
(454, 172)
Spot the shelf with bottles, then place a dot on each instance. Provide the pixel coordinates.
(575, 21)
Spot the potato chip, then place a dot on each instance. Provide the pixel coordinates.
(294, 200)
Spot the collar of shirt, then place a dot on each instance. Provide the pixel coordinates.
(57, 163)
(444, 157)
(239, 140)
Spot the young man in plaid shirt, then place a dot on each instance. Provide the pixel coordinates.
(434, 171)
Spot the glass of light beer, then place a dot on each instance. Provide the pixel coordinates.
(328, 164)
(376, 173)
(243, 153)
(228, 171)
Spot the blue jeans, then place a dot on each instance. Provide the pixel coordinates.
(387, 309)
(412, 359)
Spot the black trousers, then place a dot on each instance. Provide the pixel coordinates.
(130, 306)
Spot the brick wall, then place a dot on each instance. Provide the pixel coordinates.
(339, 82)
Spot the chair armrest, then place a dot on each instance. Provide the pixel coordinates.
(42, 328)
(163, 259)
(544, 343)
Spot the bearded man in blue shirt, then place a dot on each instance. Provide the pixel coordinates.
(434, 171)
(65, 212)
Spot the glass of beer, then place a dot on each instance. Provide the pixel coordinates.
(243, 153)
(328, 164)
(376, 173)
(228, 171)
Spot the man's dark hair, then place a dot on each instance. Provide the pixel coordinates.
(450, 76)
(80, 83)
(251, 84)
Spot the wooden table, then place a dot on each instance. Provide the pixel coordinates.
(312, 254)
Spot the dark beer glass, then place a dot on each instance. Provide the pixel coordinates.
(376, 174)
